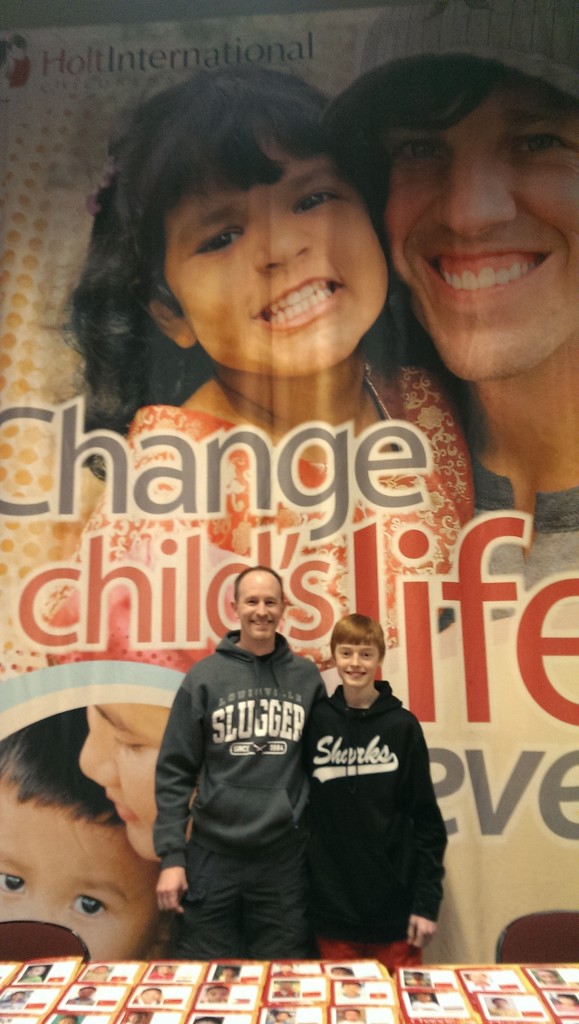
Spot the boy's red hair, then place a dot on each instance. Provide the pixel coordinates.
(358, 629)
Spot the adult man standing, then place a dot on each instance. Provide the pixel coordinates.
(473, 117)
(465, 133)
(234, 737)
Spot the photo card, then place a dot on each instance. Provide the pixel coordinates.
(149, 1017)
(220, 995)
(49, 971)
(492, 979)
(8, 970)
(429, 1003)
(102, 972)
(169, 997)
(219, 1018)
(547, 976)
(24, 1019)
(292, 1015)
(563, 1003)
(363, 1015)
(511, 1007)
(294, 968)
(28, 1001)
(358, 969)
(80, 1018)
(429, 978)
(351, 991)
(174, 972)
(231, 971)
(311, 989)
(91, 998)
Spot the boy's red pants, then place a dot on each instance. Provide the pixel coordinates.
(391, 954)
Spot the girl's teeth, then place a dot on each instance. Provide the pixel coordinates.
(468, 281)
(298, 302)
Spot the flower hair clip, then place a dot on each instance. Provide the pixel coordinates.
(110, 172)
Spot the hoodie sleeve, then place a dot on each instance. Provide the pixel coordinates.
(429, 834)
(178, 765)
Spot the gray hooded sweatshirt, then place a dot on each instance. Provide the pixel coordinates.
(234, 737)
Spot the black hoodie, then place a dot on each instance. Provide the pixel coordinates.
(377, 835)
(235, 732)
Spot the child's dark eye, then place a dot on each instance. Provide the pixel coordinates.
(540, 142)
(88, 905)
(314, 199)
(11, 883)
(220, 241)
(416, 149)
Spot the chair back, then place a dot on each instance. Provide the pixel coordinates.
(27, 940)
(542, 937)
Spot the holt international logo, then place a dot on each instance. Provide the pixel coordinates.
(14, 60)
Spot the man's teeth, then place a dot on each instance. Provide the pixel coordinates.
(298, 302)
(468, 281)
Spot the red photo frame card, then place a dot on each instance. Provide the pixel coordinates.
(412, 978)
(78, 1018)
(434, 1005)
(49, 971)
(292, 1015)
(553, 975)
(128, 1016)
(563, 1003)
(24, 1019)
(226, 998)
(493, 979)
(199, 1017)
(511, 1007)
(235, 971)
(311, 989)
(351, 992)
(35, 1001)
(294, 968)
(89, 998)
(8, 970)
(360, 970)
(112, 972)
(363, 1015)
(174, 972)
(152, 997)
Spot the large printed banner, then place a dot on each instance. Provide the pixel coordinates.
(271, 432)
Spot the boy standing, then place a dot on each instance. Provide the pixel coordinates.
(377, 834)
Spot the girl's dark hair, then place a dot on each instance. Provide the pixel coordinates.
(41, 760)
(215, 130)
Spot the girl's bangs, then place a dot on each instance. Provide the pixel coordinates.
(241, 153)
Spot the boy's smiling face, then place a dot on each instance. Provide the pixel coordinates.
(356, 665)
(76, 873)
(278, 280)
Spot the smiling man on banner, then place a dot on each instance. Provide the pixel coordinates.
(466, 132)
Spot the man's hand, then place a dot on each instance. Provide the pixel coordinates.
(420, 931)
(170, 888)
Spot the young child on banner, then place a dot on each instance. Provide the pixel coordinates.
(225, 233)
(64, 854)
(377, 837)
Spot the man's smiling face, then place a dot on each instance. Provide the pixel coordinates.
(483, 221)
(259, 607)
